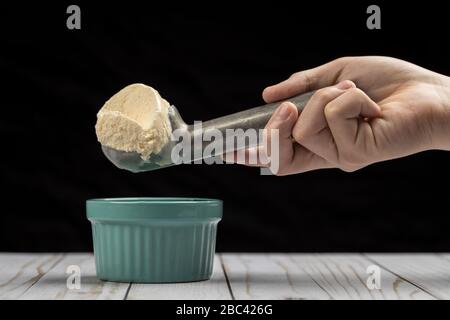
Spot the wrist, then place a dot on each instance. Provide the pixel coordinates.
(441, 118)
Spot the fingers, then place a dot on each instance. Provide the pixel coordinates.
(311, 129)
(304, 81)
(252, 157)
(333, 130)
(348, 119)
(290, 157)
(279, 127)
(304, 160)
(335, 125)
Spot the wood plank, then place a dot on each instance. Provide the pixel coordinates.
(310, 276)
(19, 271)
(215, 288)
(431, 272)
(269, 276)
(344, 276)
(251, 276)
(53, 285)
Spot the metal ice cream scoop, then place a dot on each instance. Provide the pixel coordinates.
(255, 118)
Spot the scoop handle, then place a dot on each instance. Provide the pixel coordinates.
(255, 118)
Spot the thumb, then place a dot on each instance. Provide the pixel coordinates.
(323, 76)
(283, 121)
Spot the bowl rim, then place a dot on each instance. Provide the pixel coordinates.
(156, 200)
(145, 208)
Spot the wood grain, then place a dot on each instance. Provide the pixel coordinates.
(430, 272)
(214, 289)
(53, 285)
(309, 276)
(250, 276)
(19, 272)
(261, 276)
(344, 276)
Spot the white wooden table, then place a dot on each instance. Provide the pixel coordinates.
(239, 276)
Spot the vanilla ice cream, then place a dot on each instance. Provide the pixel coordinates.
(134, 120)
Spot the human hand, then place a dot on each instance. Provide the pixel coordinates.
(365, 110)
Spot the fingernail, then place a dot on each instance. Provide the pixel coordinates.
(344, 85)
(284, 112)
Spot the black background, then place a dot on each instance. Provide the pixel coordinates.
(209, 61)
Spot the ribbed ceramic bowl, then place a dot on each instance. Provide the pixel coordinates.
(154, 240)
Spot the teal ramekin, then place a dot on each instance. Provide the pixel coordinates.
(154, 240)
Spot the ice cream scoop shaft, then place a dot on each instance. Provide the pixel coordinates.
(254, 118)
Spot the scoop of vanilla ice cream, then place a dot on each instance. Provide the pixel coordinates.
(134, 120)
